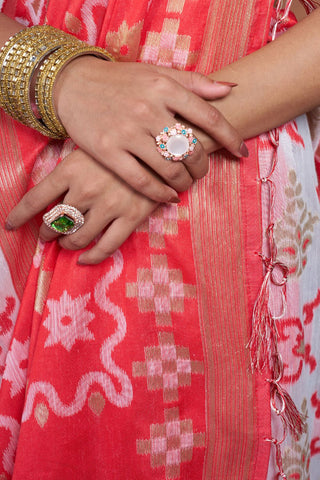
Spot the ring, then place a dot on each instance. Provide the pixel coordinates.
(176, 143)
(63, 219)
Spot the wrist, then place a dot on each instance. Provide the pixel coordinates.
(69, 82)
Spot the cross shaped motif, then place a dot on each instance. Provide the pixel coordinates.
(160, 290)
(167, 48)
(167, 367)
(175, 6)
(171, 443)
(164, 221)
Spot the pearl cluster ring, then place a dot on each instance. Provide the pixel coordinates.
(176, 143)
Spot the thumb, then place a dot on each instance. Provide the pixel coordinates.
(199, 84)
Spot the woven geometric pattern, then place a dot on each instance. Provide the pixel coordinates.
(160, 290)
(167, 367)
(171, 443)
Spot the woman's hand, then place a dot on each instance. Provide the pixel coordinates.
(113, 111)
(109, 206)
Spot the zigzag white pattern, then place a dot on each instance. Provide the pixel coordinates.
(11, 424)
(122, 398)
(87, 17)
(35, 17)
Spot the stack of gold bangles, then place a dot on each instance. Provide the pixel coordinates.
(36, 56)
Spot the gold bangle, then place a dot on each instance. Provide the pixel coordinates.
(48, 74)
(22, 55)
(42, 49)
(10, 58)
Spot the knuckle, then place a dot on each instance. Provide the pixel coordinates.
(174, 172)
(133, 215)
(128, 130)
(103, 143)
(141, 109)
(178, 177)
(196, 157)
(66, 168)
(74, 242)
(162, 84)
(142, 181)
(185, 185)
(213, 117)
(194, 79)
(87, 193)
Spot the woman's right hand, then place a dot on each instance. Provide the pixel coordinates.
(114, 111)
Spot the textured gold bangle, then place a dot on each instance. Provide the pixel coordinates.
(10, 55)
(23, 55)
(49, 71)
(14, 54)
(42, 52)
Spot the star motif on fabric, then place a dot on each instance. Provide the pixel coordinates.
(68, 320)
(16, 366)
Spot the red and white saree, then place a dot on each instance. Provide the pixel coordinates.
(138, 368)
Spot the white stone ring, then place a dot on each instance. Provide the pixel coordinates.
(63, 219)
(176, 143)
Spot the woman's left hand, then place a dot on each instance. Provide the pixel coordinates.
(108, 204)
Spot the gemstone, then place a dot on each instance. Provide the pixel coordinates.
(166, 129)
(62, 224)
(178, 145)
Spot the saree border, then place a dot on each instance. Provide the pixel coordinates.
(228, 271)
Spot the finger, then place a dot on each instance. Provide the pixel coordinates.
(137, 176)
(196, 168)
(179, 175)
(174, 174)
(47, 234)
(96, 219)
(200, 84)
(201, 113)
(111, 240)
(37, 199)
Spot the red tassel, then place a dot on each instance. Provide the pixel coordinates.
(263, 343)
(294, 420)
(282, 403)
(264, 332)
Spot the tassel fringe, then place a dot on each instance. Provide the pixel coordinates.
(263, 343)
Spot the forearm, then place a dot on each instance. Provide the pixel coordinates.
(8, 27)
(275, 84)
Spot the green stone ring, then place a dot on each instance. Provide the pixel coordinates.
(64, 219)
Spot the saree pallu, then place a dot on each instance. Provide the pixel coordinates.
(138, 368)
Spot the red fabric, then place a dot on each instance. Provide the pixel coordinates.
(134, 368)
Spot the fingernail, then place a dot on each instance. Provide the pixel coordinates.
(244, 150)
(9, 226)
(228, 84)
(174, 200)
(81, 262)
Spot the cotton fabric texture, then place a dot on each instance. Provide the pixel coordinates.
(138, 368)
